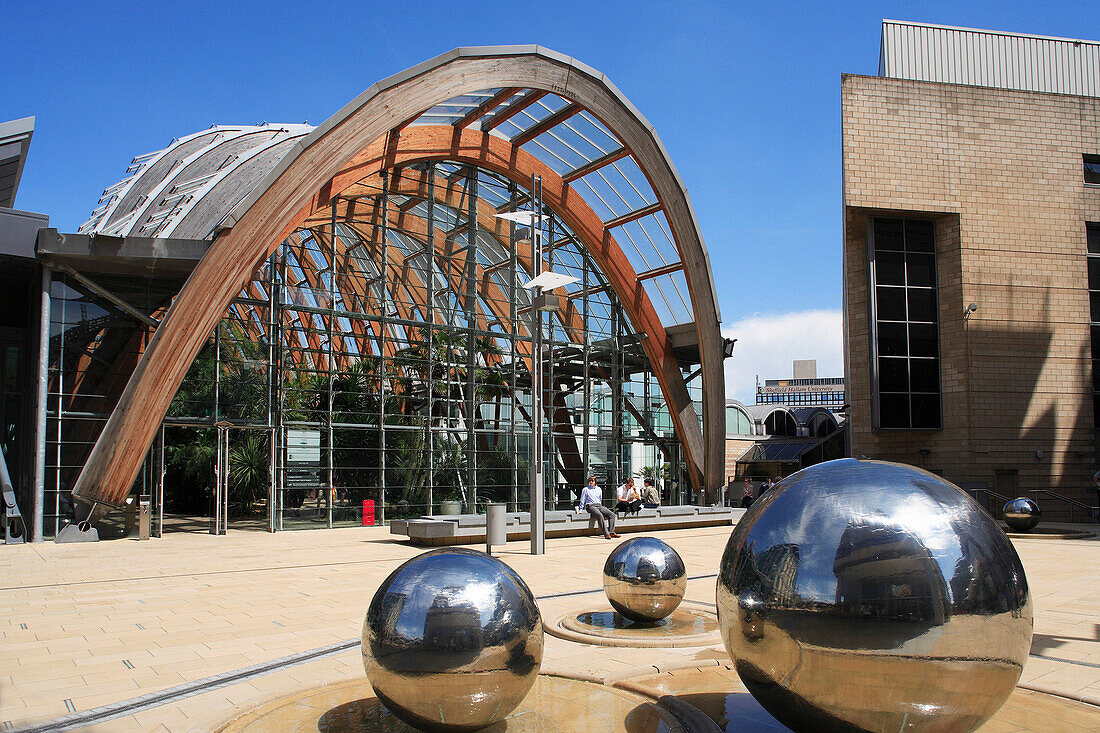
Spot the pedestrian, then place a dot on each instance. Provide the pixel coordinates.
(746, 495)
(629, 500)
(592, 502)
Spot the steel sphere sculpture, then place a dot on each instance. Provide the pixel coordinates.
(1021, 514)
(644, 578)
(873, 596)
(452, 641)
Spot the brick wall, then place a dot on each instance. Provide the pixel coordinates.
(735, 448)
(1000, 172)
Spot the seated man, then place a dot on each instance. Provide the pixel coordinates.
(651, 498)
(629, 501)
(592, 502)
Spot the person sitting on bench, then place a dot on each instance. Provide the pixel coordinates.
(651, 498)
(592, 502)
(629, 501)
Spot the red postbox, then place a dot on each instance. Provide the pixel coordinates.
(368, 512)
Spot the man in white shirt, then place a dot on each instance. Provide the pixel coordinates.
(592, 502)
(629, 501)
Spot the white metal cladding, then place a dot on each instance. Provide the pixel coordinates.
(989, 58)
(193, 182)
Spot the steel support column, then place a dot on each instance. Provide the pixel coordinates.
(41, 397)
(538, 501)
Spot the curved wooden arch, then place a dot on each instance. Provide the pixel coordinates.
(268, 219)
(438, 143)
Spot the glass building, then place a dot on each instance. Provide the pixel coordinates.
(286, 327)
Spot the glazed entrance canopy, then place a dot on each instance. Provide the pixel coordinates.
(513, 112)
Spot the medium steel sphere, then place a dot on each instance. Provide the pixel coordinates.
(644, 579)
(452, 640)
(873, 596)
(1021, 514)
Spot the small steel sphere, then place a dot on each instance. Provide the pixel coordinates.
(644, 579)
(873, 596)
(452, 640)
(1021, 514)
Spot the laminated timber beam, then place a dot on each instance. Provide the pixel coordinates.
(427, 143)
(529, 98)
(545, 124)
(452, 197)
(595, 165)
(486, 107)
(273, 210)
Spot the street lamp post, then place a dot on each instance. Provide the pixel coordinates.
(540, 285)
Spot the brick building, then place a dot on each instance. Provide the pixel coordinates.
(970, 203)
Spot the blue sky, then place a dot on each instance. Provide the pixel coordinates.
(746, 97)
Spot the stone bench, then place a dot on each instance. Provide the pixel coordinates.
(469, 529)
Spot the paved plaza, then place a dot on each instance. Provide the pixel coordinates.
(207, 628)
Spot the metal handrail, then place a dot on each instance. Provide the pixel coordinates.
(1072, 502)
(999, 497)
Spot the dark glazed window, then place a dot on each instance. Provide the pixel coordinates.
(1092, 258)
(906, 344)
(1092, 168)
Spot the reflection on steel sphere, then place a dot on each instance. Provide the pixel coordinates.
(1021, 514)
(644, 579)
(873, 596)
(452, 640)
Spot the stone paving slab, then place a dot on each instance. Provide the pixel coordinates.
(95, 624)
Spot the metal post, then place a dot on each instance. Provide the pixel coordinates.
(514, 332)
(549, 386)
(429, 247)
(41, 395)
(215, 526)
(471, 337)
(615, 464)
(538, 503)
(586, 348)
(160, 488)
(280, 393)
(225, 485)
(384, 291)
(272, 389)
(331, 256)
(217, 367)
(60, 422)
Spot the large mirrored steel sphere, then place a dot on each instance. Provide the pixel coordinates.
(452, 640)
(644, 579)
(873, 596)
(1021, 514)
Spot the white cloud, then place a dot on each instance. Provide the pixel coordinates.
(768, 344)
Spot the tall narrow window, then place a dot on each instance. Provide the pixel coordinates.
(1092, 241)
(906, 323)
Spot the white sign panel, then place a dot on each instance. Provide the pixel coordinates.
(303, 446)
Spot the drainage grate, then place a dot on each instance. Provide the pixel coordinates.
(1067, 661)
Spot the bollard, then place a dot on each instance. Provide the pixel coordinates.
(495, 531)
(145, 518)
(129, 517)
